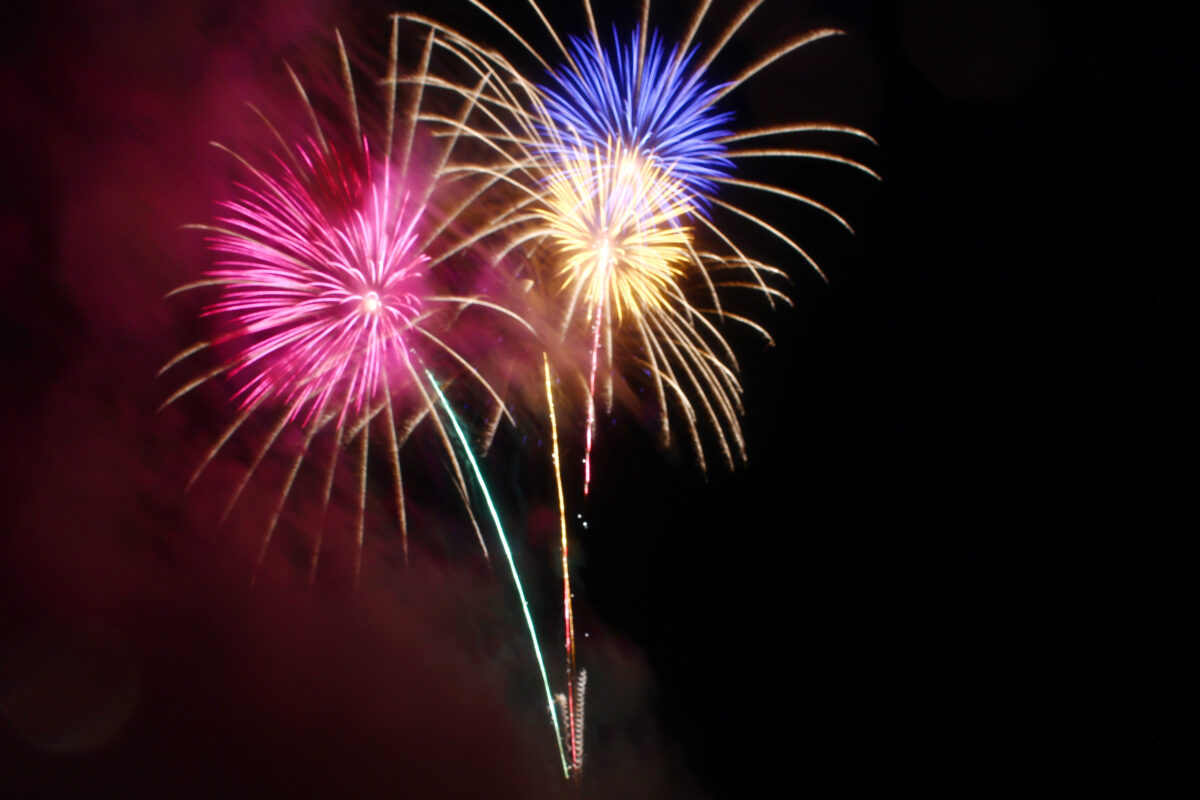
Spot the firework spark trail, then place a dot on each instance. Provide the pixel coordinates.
(577, 719)
(591, 415)
(537, 650)
(568, 612)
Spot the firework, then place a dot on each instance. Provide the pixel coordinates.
(648, 100)
(327, 295)
(636, 122)
(613, 220)
(328, 306)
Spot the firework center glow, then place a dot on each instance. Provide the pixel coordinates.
(605, 256)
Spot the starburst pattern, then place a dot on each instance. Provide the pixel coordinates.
(648, 100)
(614, 220)
(321, 283)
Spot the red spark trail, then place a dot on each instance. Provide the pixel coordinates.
(591, 420)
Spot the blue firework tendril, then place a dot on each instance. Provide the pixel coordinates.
(653, 106)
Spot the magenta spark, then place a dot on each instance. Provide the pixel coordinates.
(322, 281)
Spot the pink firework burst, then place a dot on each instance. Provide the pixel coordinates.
(329, 307)
(323, 283)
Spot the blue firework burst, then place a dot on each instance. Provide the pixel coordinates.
(656, 106)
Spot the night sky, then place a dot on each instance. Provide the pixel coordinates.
(955, 559)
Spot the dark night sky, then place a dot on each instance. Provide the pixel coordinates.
(955, 558)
